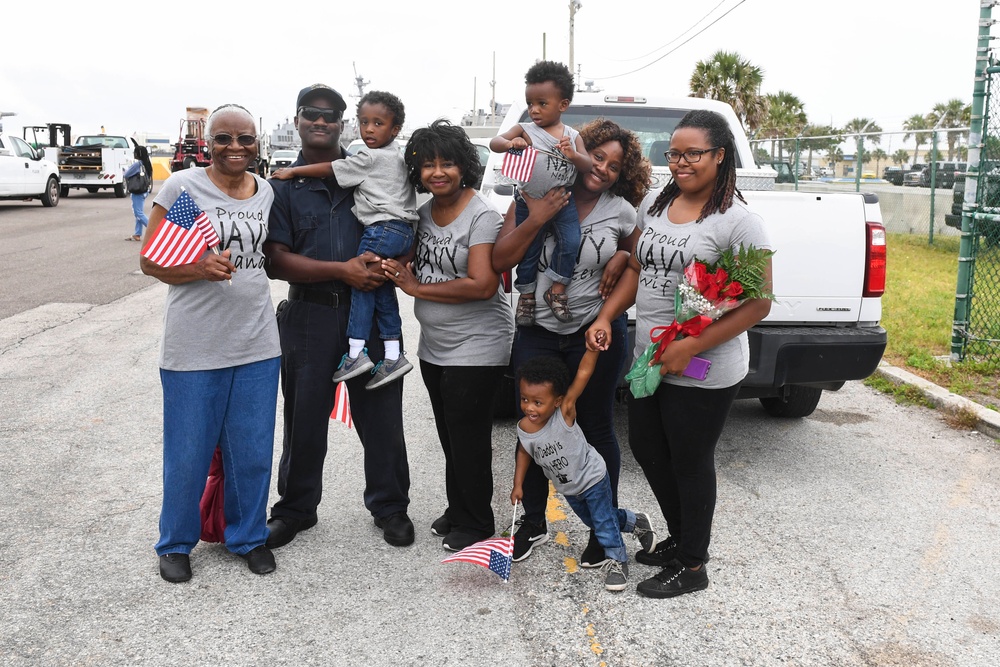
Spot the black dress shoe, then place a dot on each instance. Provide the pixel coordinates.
(285, 528)
(175, 568)
(397, 529)
(260, 560)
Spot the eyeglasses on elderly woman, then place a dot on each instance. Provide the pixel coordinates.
(224, 139)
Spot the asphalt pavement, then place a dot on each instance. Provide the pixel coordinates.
(865, 534)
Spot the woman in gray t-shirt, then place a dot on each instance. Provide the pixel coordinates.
(673, 433)
(465, 322)
(605, 200)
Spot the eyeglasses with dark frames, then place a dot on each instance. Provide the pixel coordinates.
(224, 139)
(691, 157)
(314, 113)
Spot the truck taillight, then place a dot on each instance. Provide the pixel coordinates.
(875, 264)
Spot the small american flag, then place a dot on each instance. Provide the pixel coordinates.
(518, 163)
(183, 236)
(495, 554)
(342, 405)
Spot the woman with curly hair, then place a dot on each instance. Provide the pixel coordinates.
(605, 201)
(465, 322)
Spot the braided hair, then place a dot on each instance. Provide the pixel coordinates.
(715, 126)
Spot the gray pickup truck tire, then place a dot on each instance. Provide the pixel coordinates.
(799, 402)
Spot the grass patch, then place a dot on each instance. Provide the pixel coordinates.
(905, 394)
(917, 312)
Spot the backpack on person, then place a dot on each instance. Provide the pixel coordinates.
(137, 182)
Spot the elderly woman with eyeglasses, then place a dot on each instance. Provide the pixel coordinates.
(219, 356)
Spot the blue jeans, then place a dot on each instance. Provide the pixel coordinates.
(594, 408)
(390, 238)
(565, 226)
(234, 409)
(138, 201)
(595, 509)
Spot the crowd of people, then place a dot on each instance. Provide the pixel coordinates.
(345, 235)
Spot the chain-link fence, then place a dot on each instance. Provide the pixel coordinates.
(976, 330)
(918, 175)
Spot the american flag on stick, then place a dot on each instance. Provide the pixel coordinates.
(183, 236)
(342, 405)
(496, 554)
(518, 163)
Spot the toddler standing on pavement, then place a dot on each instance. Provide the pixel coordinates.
(549, 434)
(386, 204)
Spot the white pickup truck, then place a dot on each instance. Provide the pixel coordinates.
(25, 174)
(94, 162)
(829, 268)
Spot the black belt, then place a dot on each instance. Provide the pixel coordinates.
(322, 297)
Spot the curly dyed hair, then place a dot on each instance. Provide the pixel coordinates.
(557, 73)
(389, 101)
(717, 129)
(545, 370)
(634, 178)
(442, 140)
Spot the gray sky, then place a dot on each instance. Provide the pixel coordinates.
(886, 59)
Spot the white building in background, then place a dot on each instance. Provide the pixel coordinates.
(157, 143)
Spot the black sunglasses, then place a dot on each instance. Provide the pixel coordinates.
(314, 113)
(224, 139)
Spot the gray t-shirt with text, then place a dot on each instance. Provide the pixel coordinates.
(210, 325)
(563, 452)
(550, 171)
(663, 250)
(474, 333)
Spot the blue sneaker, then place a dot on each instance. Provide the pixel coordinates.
(389, 371)
(350, 368)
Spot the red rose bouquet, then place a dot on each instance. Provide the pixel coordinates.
(707, 291)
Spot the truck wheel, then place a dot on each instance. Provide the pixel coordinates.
(799, 402)
(190, 162)
(64, 191)
(120, 190)
(51, 195)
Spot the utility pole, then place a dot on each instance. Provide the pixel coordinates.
(574, 6)
(493, 92)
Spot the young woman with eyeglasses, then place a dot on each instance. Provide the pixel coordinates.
(219, 356)
(673, 433)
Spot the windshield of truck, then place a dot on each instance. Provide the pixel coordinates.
(106, 142)
(653, 126)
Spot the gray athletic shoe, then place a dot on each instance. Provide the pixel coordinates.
(389, 371)
(644, 532)
(615, 575)
(350, 368)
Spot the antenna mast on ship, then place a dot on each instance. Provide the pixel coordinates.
(359, 81)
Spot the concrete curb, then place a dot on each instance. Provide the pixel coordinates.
(987, 421)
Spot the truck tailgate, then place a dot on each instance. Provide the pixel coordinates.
(821, 253)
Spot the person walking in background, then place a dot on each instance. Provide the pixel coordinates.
(465, 322)
(385, 203)
(312, 244)
(548, 93)
(605, 198)
(219, 356)
(142, 165)
(674, 432)
(550, 435)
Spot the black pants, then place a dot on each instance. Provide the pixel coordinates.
(313, 341)
(673, 434)
(462, 400)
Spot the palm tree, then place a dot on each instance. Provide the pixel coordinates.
(900, 157)
(834, 155)
(953, 113)
(786, 117)
(913, 125)
(878, 155)
(729, 78)
(859, 125)
(831, 133)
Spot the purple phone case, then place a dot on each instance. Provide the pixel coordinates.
(698, 368)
